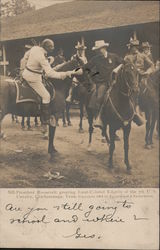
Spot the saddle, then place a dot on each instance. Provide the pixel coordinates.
(25, 93)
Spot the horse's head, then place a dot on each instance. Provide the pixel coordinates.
(129, 78)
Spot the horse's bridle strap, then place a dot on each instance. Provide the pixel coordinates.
(117, 113)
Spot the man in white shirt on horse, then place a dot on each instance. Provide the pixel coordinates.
(37, 62)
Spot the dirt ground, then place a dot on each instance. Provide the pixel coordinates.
(24, 160)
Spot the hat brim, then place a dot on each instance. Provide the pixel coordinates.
(28, 46)
(80, 47)
(99, 47)
(146, 46)
(132, 45)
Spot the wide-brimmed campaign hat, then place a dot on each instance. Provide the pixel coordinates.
(146, 45)
(100, 44)
(28, 46)
(133, 42)
(80, 46)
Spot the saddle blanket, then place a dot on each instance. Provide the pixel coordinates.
(25, 93)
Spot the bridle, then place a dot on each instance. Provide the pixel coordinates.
(130, 89)
(128, 94)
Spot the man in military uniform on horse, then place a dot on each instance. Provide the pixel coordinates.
(100, 68)
(146, 50)
(80, 60)
(142, 61)
(143, 64)
(37, 63)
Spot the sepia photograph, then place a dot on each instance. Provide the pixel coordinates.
(79, 117)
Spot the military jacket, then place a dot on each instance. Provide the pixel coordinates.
(140, 60)
(100, 67)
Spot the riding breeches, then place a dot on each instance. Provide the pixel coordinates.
(100, 95)
(97, 98)
(35, 82)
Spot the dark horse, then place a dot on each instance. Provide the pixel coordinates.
(79, 93)
(118, 109)
(8, 103)
(148, 101)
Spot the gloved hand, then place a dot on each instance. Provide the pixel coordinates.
(69, 73)
(77, 72)
(66, 74)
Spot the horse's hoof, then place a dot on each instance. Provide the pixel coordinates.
(51, 157)
(70, 124)
(110, 165)
(3, 136)
(64, 125)
(89, 148)
(110, 169)
(129, 171)
(117, 138)
(30, 129)
(81, 130)
(45, 136)
(147, 146)
(103, 140)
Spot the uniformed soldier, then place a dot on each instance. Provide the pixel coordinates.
(80, 60)
(142, 62)
(144, 66)
(37, 63)
(100, 68)
(146, 50)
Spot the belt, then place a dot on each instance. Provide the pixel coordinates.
(33, 71)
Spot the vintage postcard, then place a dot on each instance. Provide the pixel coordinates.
(79, 124)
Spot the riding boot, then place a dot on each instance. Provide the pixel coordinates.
(69, 98)
(45, 117)
(138, 120)
(97, 123)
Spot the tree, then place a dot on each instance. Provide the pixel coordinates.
(15, 7)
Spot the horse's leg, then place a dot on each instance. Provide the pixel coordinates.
(126, 132)
(28, 123)
(112, 132)
(64, 119)
(157, 128)
(36, 121)
(81, 117)
(51, 148)
(2, 135)
(16, 117)
(148, 119)
(68, 114)
(12, 118)
(153, 122)
(104, 134)
(22, 122)
(90, 121)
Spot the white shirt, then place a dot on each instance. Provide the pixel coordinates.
(24, 60)
(38, 62)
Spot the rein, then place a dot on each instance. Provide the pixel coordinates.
(129, 88)
(125, 122)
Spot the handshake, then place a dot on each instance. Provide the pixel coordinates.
(72, 73)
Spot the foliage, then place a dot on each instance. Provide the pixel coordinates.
(15, 7)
